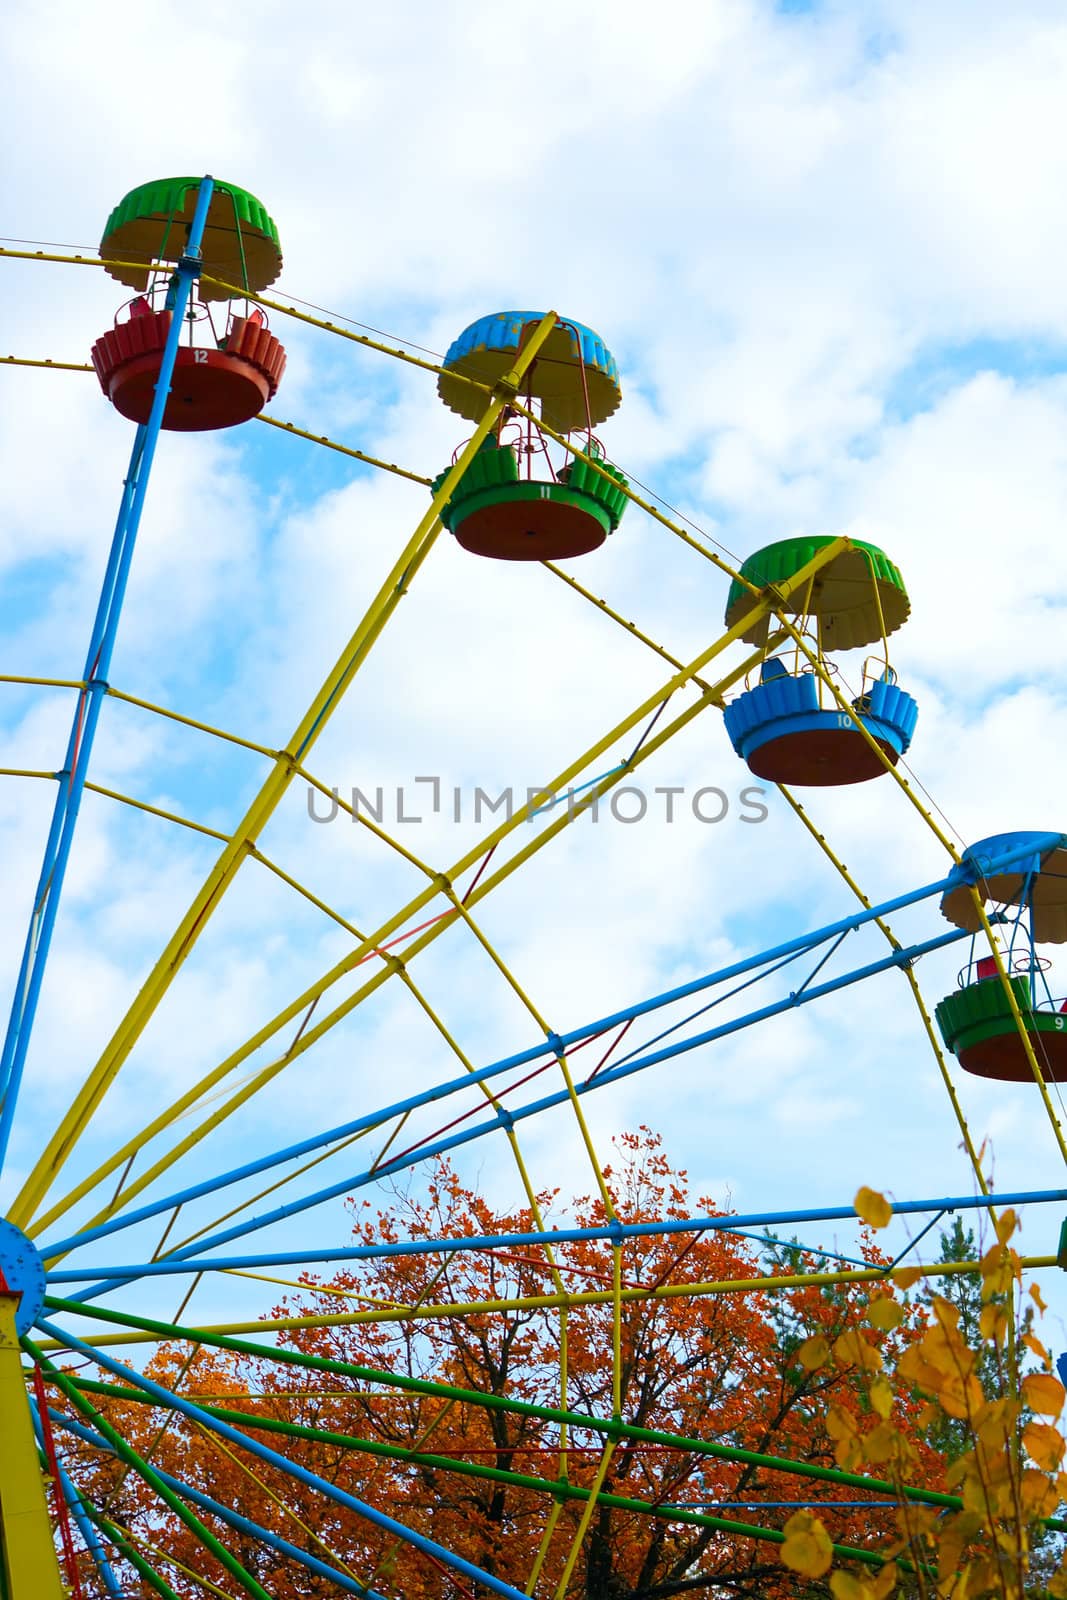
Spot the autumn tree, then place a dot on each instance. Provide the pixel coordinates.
(483, 1395)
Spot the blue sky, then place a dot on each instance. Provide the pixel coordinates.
(825, 249)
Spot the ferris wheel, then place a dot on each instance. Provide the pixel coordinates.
(206, 1191)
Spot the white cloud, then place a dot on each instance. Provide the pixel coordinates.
(783, 226)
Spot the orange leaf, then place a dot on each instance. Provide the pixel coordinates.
(947, 1314)
(993, 1323)
(999, 1268)
(905, 1277)
(1035, 1295)
(1039, 1496)
(872, 1207)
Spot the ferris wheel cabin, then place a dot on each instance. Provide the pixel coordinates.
(790, 726)
(228, 364)
(1004, 1016)
(514, 503)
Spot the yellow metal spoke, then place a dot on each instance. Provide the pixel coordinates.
(916, 992)
(189, 722)
(396, 585)
(344, 449)
(586, 1519)
(374, 944)
(766, 1283)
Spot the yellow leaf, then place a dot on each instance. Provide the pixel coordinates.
(1039, 1496)
(979, 1578)
(904, 1277)
(881, 1444)
(993, 1323)
(848, 1453)
(881, 1396)
(884, 1313)
(949, 1552)
(959, 1397)
(947, 1314)
(915, 1524)
(1043, 1444)
(814, 1353)
(1038, 1349)
(1043, 1393)
(872, 1207)
(955, 1533)
(915, 1369)
(1035, 1295)
(885, 1581)
(1002, 1502)
(993, 1422)
(852, 1350)
(807, 1548)
(840, 1424)
(843, 1586)
(999, 1267)
(945, 1349)
(1006, 1225)
(1012, 1541)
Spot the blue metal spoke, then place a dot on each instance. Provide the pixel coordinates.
(556, 1044)
(232, 1518)
(169, 1267)
(500, 1119)
(311, 1480)
(90, 1537)
(91, 695)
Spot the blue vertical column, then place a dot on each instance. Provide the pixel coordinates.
(90, 697)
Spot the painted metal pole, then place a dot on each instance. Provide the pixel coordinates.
(77, 1511)
(91, 695)
(226, 1514)
(567, 1491)
(311, 1480)
(500, 1119)
(524, 1408)
(30, 1568)
(555, 1043)
(511, 1241)
(147, 1473)
(273, 789)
